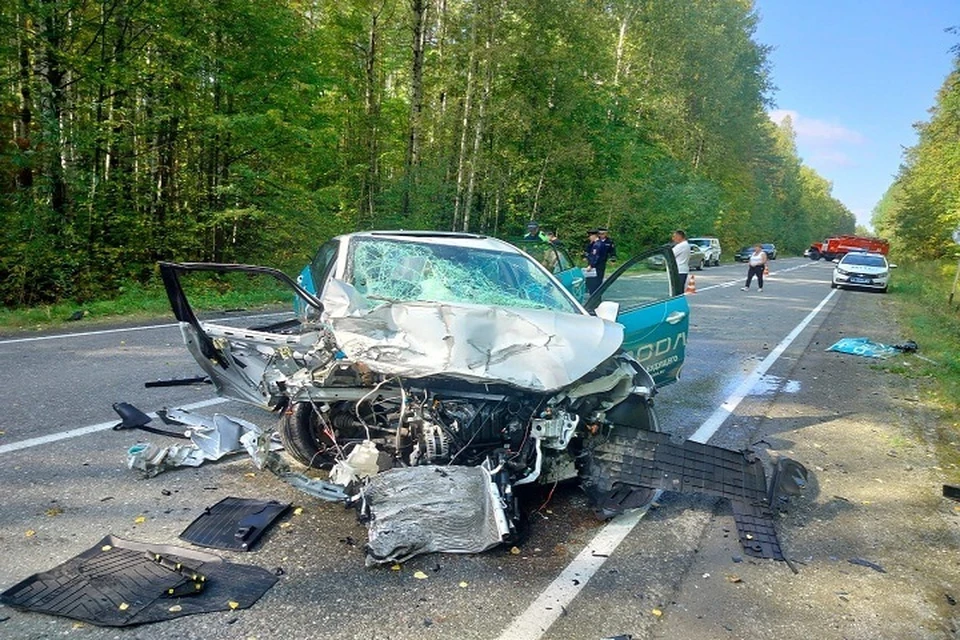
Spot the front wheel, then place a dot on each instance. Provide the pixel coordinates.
(814, 255)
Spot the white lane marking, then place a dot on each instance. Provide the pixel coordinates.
(534, 622)
(733, 283)
(708, 428)
(552, 603)
(93, 428)
(102, 332)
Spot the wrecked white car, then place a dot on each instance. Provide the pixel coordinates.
(429, 359)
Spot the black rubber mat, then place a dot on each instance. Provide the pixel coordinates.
(234, 523)
(119, 583)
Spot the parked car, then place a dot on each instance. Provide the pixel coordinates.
(745, 252)
(711, 250)
(696, 262)
(861, 269)
(451, 348)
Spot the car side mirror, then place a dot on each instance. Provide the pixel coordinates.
(836, 261)
(608, 310)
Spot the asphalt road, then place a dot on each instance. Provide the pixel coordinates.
(663, 574)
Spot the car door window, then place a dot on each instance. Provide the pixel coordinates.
(652, 311)
(323, 262)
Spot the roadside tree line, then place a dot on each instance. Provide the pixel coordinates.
(921, 208)
(229, 130)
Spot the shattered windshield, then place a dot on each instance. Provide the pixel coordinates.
(386, 269)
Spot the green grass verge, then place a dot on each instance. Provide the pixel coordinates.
(137, 302)
(921, 292)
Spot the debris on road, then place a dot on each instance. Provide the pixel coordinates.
(120, 583)
(234, 524)
(870, 349)
(416, 510)
(951, 491)
(866, 563)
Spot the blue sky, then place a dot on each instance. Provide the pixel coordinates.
(855, 75)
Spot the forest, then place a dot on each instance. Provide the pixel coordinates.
(921, 209)
(252, 130)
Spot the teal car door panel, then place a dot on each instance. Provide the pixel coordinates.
(653, 311)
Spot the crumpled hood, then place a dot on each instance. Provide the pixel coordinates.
(533, 349)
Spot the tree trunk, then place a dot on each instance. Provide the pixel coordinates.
(21, 126)
(418, 9)
(54, 107)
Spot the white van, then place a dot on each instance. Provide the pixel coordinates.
(711, 250)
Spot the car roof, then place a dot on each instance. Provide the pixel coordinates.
(459, 239)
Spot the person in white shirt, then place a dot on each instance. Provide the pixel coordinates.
(681, 251)
(755, 267)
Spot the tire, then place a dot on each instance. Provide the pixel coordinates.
(833, 285)
(303, 438)
(884, 290)
(814, 255)
(700, 266)
(716, 262)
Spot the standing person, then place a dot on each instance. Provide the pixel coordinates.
(756, 265)
(596, 260)
(681, 251)
(533, 233)
(611, 247)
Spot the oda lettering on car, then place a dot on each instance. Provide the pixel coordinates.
(659, 348)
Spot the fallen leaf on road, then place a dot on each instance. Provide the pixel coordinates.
(298, 511)
(463, 584)
(233, 605)
(657, 612)
(250, 474)
(734, 578)
(123, 606)
(140, 519)
(54, 511)
(395, 567)
(175, 609)
(30, 533)
(420, 575)
(515, 550)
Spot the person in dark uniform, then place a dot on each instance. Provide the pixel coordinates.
(611, 247)
(597, 261)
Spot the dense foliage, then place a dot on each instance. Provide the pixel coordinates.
(921, 209)
(231, 130)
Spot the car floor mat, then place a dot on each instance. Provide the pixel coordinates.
(234, 524)
(120, 583)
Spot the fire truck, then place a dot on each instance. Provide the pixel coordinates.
(840, 245)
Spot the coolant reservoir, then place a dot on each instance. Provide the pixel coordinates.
(363, 459)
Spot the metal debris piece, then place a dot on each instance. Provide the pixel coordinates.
(951, 491)
(867, 563)
(210, 439)
(416, 510)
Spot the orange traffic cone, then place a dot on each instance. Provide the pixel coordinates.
(766, 269)
(691, 284)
